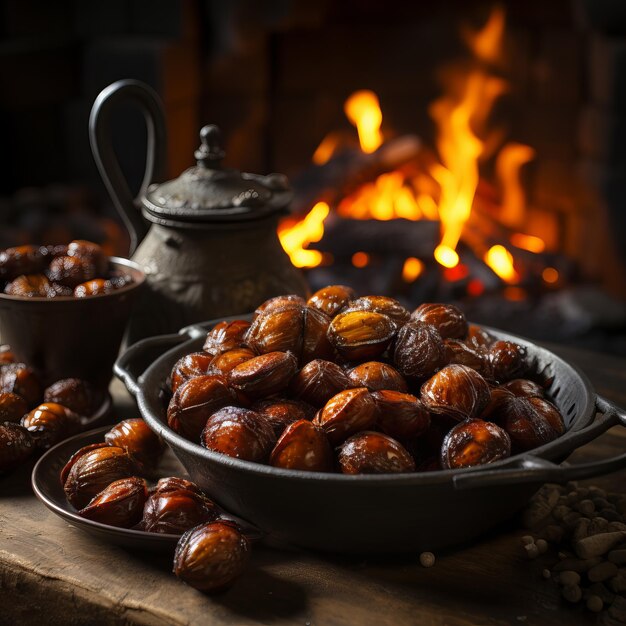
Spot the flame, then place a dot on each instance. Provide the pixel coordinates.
(295, 237)
(550, 275)
(486, 44)
(528, 242)
(363, 110)
(360, 259)
(411, 269)
(326, 149)
(500, 260)
(508, 164)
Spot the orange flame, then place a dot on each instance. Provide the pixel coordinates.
(411, 269)
(363, 110)
(296, 237)
(326, 149)
(500, 260)
(528, 242)
(508, 164)
(486, 44)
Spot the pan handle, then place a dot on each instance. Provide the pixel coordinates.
(133, 363)
(533, 469)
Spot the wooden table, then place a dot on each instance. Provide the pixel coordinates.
(51, 573)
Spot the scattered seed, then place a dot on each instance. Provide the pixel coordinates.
(427, 559)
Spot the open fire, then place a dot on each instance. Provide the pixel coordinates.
(480, 237)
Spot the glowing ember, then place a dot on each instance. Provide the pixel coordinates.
(363, 110)
(326, 149)
(360, 259)
(550, 275)
(528, 242)
(296, 237)
(412, 269)
(500, 260)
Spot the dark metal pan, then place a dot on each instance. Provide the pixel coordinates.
(377, 513)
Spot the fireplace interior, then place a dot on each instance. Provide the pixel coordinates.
(469, 152)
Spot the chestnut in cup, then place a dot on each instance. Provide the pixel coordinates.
(474, 442)
(374, 453)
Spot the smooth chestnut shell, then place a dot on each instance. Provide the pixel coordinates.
(457, 391)
(22, 380)
(524, 388)
(175, 509)
(188, 367)
(175, 483)
(279, 302)
(70, 271)
(360, 335)
(507, 361)
(346, 413)
(460, 353)
(77, 395)
(229, 360)
(318, 381)
(93, 471)
(448, 319)
(400, 415)
(226, 336)
(264, 375)
(477, 337)
(278, 329)
(419, 350)
(240, 433)
(212, 556)
(16, 446)
(315, 342)
(12, 407)
(135, 436)
(195, 401)
(374, 453)
(30, 286)
(303, 446)
(331, 299)
(65, 471)
(20, 260)
(280, 412)
(474, 442)
(376, 376)
(118, 504)
(50, 423)
(89, 252)
(94, 287)
(381, 304)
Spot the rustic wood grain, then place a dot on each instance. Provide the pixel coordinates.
(51, 573)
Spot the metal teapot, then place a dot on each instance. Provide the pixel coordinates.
(206, 240)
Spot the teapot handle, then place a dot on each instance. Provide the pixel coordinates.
(104, 154)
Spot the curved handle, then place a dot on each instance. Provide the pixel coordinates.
(533, 469)
(104, 155)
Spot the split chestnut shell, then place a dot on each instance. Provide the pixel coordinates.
(303, 446)
(374, 453)
(474, 442)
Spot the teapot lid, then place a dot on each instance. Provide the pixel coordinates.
(208, 192)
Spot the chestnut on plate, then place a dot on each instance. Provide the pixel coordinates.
(400, 415)
(280, 412)
(303, 446)
(50, 423)
(77, 395)
(226, 336)
(264, 375)
(346, 413)
(360, 335)
(16, 446)
(456, 391)
(12, 407)
(507, 361)
(188, 367)
(93, 287)
(240, 433)
(332, 299)
(135, 436)
(474, 442)
(212, 556)
(318, 381)
(376, 375)
(419, 350)
(118, 504)
(448, 319)
(374, 453)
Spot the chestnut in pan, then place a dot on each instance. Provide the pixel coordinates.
(374, 453)
(474, 442)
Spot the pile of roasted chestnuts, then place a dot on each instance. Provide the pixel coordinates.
(32, 418)
(79, 269)
(106, 483)
(359, 385)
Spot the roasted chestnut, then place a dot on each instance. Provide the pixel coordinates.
(93, 471)
(315, 343)
(507, 361)
(226, 336)
(360, 335)
(22, 260)
(22, 380)
(400, 415)
(77, 395)
(16, 446)
(381, 304)
(264, 375)
(278, 329)
(212, 556)
(457, 391)
(175, 483)
(12, 407)
(448, 319)
(240, 433)
(70, 271)
(195, 401)
(524, 388)
(474, 442)
(93, 287)
(303, 446)
(50, 423)
(346, 413)
(318, 381)
(419, 350)
(280, 412)
(135, 436)
(376, 375)
(188, 367)
(174, 510)
(499, 396)
(460, 353)
(65, 471)
(478, 337)
(530, 422)
(374, 453)
(30, 286)
(118, 504)
(90, 253)
(278, 302)
(226, 361)
(331, 299)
